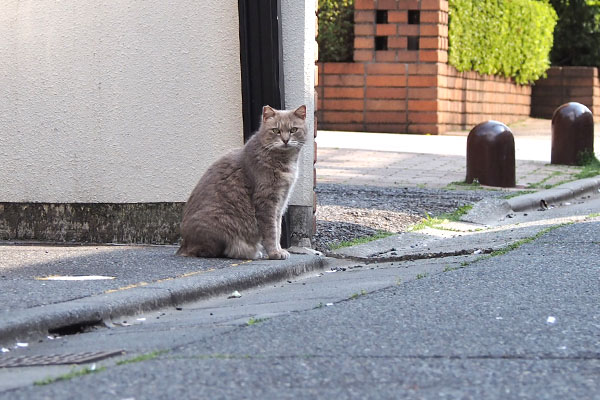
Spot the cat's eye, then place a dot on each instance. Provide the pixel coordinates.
(276, 131)
(294, 130)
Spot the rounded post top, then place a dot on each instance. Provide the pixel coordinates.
(491, 131)
(571, 112)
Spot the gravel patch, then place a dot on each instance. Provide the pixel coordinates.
(346, 212)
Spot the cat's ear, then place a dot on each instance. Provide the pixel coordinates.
(268, 112)
(300, 112)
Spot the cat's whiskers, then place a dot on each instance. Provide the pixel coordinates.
(269, 146)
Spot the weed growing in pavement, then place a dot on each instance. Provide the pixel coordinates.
(590, 167)
(74, 373)
(357, 295)
(254, 321)
(427, 222)
(593, 215)
(449, 268)
(142, 357)
(434, 222)
(421, 276)
(475, 185)
(515, 194)
(542, 184)
(70, 375)
(590, 164)
(515, 245)
(462, 185)
(378, 235)
(458, 213)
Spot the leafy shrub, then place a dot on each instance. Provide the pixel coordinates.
(501, 37)
(577, 33)
(336, 30)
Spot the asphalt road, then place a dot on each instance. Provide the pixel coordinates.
(525, 324)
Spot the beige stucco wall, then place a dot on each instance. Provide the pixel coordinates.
(298, 31)
(118, 101)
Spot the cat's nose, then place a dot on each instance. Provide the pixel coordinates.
(285, 141)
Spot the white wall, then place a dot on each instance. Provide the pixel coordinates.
(116, 101)
(298, 30)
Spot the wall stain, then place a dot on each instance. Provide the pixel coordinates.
(144, 223)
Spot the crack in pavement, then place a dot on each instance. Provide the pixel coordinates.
(531, 357)
(376, 258)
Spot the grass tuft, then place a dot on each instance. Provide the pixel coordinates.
(142, 357)
(543, 185)
(516, 194)
(70, 375)
(357, 295)
(464, 185)
(434, 222)
(590, 164)
(254, 321)
(516, 244)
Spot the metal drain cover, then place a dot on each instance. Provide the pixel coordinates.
(56, 359)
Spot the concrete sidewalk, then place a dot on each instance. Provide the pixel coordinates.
(49, 290)
(360, 158)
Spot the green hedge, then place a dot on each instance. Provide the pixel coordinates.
(501, 37)
(336, 30)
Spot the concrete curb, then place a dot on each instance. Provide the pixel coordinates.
(428, 244)
(564, 192)
(38, 321)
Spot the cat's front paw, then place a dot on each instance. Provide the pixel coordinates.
(279, 255)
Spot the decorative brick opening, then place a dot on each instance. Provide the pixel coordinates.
(381, 42)
(414, 17)
(381, 17)
(412, 42)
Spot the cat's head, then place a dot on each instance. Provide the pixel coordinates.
(283, 129)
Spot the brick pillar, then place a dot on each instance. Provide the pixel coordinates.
(433, 32)
(404, 46)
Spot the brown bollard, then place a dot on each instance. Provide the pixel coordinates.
(491, 155)
(572, 134)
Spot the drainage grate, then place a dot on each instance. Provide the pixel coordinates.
(56, 359)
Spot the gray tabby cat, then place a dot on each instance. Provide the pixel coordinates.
(237, 206)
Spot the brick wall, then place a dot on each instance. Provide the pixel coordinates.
(400, 80)
(565, 84)
(414, 98)
(468, 98)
